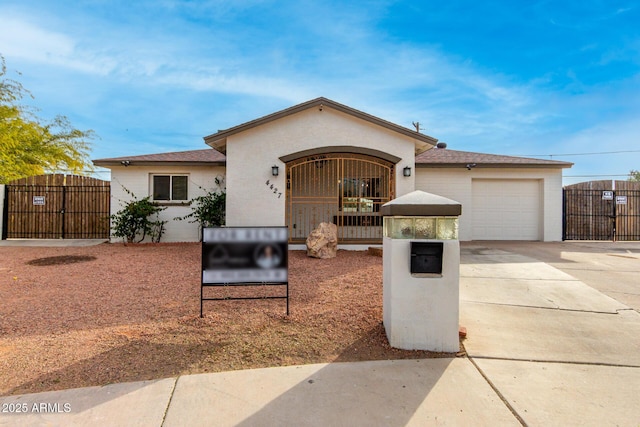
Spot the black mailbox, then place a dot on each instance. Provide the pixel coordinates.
(426, 257)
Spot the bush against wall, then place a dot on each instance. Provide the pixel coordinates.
(138, 219)
(209, 209)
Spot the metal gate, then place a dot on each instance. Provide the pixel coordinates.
(57, 207)
(345, 189)
(595, 211)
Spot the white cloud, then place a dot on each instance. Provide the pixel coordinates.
(27, 41)
(217, 81)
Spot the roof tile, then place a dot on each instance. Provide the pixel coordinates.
(444, 156)
(207, 155)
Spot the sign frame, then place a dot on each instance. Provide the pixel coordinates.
(39, 201)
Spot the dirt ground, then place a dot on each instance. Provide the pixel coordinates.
(83, 316)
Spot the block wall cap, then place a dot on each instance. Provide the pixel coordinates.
(421, 203)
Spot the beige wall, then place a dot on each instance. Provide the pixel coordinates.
(420, 313)
(137, 179)
(456, 184)
(250, 155)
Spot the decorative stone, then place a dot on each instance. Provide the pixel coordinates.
(374, 251)
(323, 241)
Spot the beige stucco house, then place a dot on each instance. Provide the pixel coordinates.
(324, 161)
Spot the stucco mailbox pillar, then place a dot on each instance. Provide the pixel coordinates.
(421, 272)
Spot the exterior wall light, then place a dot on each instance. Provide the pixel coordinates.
(274, 170)
(406, 171)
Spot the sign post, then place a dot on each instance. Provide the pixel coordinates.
(245, 256)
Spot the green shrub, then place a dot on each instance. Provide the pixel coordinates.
(209, 209)
(134, 220)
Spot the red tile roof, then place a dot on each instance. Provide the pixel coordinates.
(443, 157)
(207, 156)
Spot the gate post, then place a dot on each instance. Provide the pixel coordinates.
(63, 211)
(614, 219)
(564, 214)
(3, 200)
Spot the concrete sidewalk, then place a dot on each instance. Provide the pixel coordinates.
(55, 243)
(543, 349)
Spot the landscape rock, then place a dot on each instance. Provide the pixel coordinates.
(323, 241)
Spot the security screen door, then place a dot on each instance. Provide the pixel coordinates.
(345, 189)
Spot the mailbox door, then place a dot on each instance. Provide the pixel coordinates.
(426, 257)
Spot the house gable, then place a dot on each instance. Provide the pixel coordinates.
(219, 140)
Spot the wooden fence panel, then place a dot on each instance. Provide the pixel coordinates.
(34, 212)
(628, 213)
(57, 206)
(86, 212)
(586, 215)
(589, 215)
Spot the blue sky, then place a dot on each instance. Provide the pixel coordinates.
(506, 77)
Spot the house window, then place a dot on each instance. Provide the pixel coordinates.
(170, 187)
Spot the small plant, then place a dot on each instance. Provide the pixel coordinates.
(133, 220)
(208, 210)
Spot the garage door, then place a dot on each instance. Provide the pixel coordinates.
(506, 210)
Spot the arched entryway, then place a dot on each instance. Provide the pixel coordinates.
(346, 189)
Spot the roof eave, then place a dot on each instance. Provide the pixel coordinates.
(107, 163)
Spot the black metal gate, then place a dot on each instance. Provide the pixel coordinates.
(627, 214)
(602, 213)
(57, 207)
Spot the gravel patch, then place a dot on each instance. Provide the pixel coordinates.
(84, 316)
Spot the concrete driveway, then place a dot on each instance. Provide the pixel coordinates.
(612, 268)
(550, 327)
(52, 243)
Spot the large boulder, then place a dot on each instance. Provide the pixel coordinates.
(323, 241)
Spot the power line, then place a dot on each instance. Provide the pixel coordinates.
(578, 154)
(589, 176)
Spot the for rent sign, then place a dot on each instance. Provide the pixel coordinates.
(245, 256)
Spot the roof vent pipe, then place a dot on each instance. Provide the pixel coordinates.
(441, 145)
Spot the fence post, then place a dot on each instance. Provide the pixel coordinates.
(564, 214)
(63, 211)
(614, 218)
(3, 209)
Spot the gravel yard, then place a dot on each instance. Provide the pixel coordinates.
(83, 316)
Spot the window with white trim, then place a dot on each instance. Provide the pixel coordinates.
(170, 187)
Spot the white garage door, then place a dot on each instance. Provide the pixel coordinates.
(506, 209)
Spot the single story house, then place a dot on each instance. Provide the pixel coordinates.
(323, 161)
